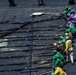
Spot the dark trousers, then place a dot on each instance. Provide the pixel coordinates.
(40, 2)
(11, 2)
(71, 2)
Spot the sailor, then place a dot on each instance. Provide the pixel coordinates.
(69, 50)
(72, 30)
(12, 3)
(41, 2)
(60, 45)
(71, 2)
(58, 71)
(72, 19)
(58, 55)
(68, 10)
(60, 48)
(58, 59)
(67, 34)
(62, 41)
(72, 16)
(70, 24)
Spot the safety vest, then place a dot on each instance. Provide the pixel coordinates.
(59, 71)
(68, 45)
(58, 62)
(71, 29)
(58, 55)
(63, 41)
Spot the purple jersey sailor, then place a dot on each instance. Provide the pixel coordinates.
(71, 24)
(72, 18)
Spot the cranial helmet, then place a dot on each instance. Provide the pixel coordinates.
(67, 38)
(66, 7)
(55, 44)
(66, 33)
(54, 67)
(54, 51)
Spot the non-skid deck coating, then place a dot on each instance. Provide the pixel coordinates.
(16, 48)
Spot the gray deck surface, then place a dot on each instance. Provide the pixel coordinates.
(15, 57)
